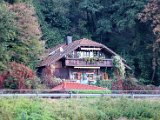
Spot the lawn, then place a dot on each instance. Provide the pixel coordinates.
(78, 109)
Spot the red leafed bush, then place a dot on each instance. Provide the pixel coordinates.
(2, 78)
(16, 76)
(20, 71)
(117, 85)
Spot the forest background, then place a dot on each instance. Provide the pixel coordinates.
(129, 27)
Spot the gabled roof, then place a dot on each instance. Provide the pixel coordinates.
(67, 86)
(56, 54)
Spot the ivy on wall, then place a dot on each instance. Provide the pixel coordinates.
(119, 66)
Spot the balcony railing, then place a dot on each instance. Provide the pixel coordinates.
(76, 62)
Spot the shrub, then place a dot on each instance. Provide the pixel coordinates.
(78, 109)
(91, 91)
(104, 83)
(119, 66)
(18, 76)
(51, 81)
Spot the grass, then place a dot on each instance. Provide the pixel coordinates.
(78, 109)
(91, 91)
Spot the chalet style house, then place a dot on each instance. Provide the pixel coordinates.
(81, 61)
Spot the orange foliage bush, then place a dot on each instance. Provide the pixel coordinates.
(19, 72)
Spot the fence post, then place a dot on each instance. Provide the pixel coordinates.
(102, 95)
(70, 94)
(37, 94)
(132, 95)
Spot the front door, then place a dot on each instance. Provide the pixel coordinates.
(87, 77)
(90, 76)
(77, 76)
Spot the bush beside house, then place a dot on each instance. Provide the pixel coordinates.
(18, 76)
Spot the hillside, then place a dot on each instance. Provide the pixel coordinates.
(131, 28)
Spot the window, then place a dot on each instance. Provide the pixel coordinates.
(78, 54)
(87, 54)
(105, 76)
(76, 76)
(91, 54)
(71, 55)
(96, 53)
(90, 76)
(84, 54)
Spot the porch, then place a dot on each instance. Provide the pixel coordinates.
(79, 62)
(87, 76)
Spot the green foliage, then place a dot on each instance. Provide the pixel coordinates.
(19, 35)
(53, 18)
(91, 91)
(104, 83)
(81, 109)
(59, 18)
(113, 23)
(7, 34)
(119, 65)
(10, 83)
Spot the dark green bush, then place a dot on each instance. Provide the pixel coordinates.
(104, 83)
(92, 91)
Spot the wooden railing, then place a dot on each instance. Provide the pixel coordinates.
(82, 62)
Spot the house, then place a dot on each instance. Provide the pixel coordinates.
(82, 61)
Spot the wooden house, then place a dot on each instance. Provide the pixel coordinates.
(82, 61)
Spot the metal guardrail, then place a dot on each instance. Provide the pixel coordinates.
(50, 90)
(82, 95)
(69, 94)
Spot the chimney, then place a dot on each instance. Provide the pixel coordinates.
(69, 40)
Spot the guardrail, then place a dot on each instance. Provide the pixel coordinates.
(82, 95)
(38, 91)
(69, 94)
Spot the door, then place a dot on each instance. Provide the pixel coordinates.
(87, 77)
(84, 79)
(90, 76)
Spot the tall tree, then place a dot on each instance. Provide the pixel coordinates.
(8, 33)
(151, 14)
(54, 23)
(19, 35)
(27, 47)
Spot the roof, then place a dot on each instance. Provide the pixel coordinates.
(66, 86)
(58, 54)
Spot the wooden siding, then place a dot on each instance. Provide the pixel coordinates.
(62, 73)
(58, 64)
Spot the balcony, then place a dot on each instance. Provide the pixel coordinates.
(77, 62)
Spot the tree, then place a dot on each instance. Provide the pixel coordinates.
(52, 17)
(151, 14)
(17, 75)
(20, 35)
(8, 32)
(27, 47)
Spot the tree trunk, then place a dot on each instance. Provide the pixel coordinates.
(154, 60)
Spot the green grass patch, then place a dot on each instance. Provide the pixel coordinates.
(91, 91)
(78, 109)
